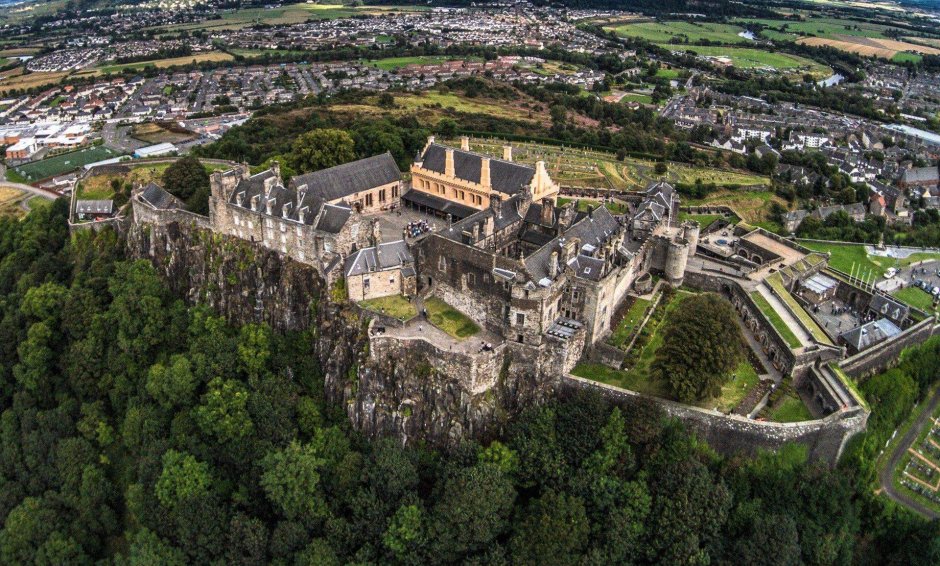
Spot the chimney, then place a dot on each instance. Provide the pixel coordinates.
(465, 143)
(553, 265)
(488, 226)
(239, 198)
(449, 163)
(548, 212)
(507, 153)
(268, 205)
(302, 214)
(276, 167)
(476, 232)
(285, 210)
(485, 172)
(496, 203)
(254, 202)
(269, 184)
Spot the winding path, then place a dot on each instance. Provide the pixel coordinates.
(886, 475)
(30, 189)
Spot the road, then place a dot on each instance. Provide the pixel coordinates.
(886, 476)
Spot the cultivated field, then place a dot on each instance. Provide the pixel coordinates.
(286, 15)
(868, 46)
(17, 79)
(678, 31)
(158, 63)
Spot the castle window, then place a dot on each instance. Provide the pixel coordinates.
(369, 199)
(442, 264)
(251, 225)
(395, 191)
(365, 283)
(520, 318)
(382, 195)
(472, 278)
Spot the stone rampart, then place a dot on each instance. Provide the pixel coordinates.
(886, 354)
(731, 434)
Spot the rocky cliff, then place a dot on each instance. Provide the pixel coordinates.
(387, 387)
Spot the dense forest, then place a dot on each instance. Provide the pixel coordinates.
(138, 430)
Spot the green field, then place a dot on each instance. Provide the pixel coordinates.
(682, 32)
(916, 297)
(820, 27)
(844, 256)
(253, 53)
(394, 306)
(782, 328)
(631, 319)
(905, 57)
(732, 393)
(392, 63)
(286, 15)
(744, 58)
(449, 319)
(60, 164)
(776, 283)
(210, 56)
(791, 410)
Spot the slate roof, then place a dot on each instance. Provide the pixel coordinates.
(390, 255)
(350, 178)
(869, 334)
(158, 197)
(329, 218)
(505, 176)
(888, 308)
(921, 175)
(94, 206)
(595, 229)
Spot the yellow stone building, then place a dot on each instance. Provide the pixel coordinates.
(460, 182)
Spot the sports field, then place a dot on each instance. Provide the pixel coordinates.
(392, 63)
(745, 58)
(60, 164)
(682, 32)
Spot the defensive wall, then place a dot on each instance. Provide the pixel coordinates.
(886, 354)
(824, 438)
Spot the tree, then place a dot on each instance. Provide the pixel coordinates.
(172, 385)
(291, 480)
(702, 344)
(405, 532)
(223, 411)
(553, 530)
(320, 149)
(187, 179)
(182, 477)
(661, 168)
(386, 100)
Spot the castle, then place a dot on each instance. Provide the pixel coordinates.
(514, 261)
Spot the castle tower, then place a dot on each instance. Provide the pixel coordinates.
(677, 258)
(690, 232)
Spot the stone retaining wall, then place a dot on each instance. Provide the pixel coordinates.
(885, 354)
(732, 434)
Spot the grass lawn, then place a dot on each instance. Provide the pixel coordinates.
(636, 97)
(99, 186)
(394, 306)
(691, 31)
(809, 323)
(392, 63)
(753, 206)
(733, 392)
(791, 410)
(449, 319)
(459, 103)
(52, 166)
(845, 255)
(159, 63)
(916, 297)
(633, 317)
(788, 336)
(624, 379)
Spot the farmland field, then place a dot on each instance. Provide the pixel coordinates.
(691, 32)
(52, 166)
(16, 79)
(820, 27)
(884, 48)
(158, 63)
(286, 15)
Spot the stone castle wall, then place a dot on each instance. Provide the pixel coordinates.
(732, 434)
(885, 354)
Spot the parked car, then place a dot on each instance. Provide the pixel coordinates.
(890, 273)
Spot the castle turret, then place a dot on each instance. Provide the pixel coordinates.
(677, 258)
(690, 231)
